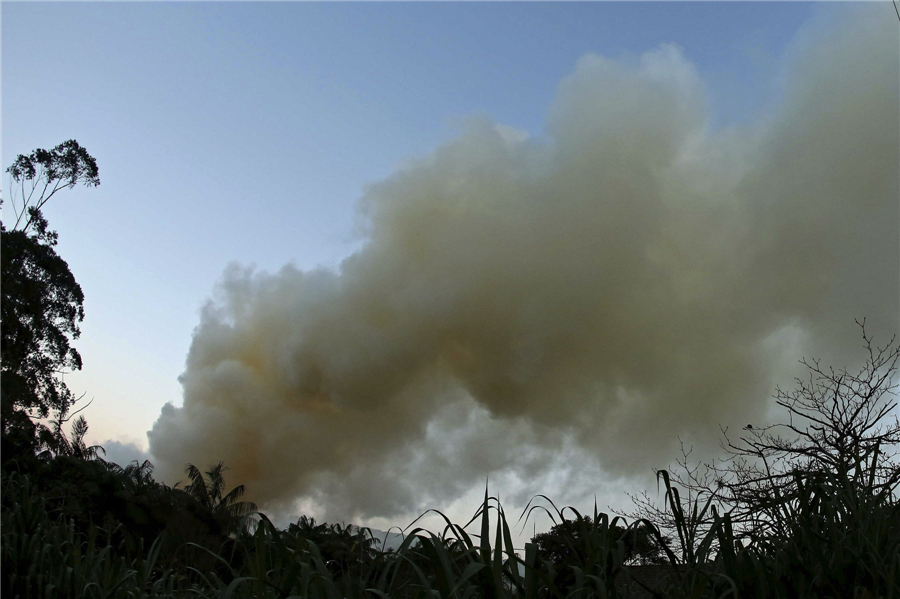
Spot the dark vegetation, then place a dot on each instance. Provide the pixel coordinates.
(806, 508)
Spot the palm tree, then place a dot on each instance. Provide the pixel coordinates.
(56, 443)
(78, 447)
(136, 477)
(209, 489)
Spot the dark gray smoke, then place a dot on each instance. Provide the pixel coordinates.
(633, 277)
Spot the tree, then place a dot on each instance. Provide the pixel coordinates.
(42, 302)
(597, 548)
(48, 171)
(838, 422)
(209, 491)
(838, 428)
(560, 544)
(61, 444)
(136, 476)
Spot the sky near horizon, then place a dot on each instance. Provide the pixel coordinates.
(248, 132)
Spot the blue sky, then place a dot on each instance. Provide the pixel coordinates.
(248, 131)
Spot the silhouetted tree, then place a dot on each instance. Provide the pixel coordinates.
(58, 443)
(209, 490)
(42, 303)
(562, 544)
(136, 476)
(46, 172)
(838, 423)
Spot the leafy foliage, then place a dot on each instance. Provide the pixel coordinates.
(209, 491)
(42, 308)
(47, 172)
(55, 543)
(557, 544)
(344, 547)
(47, 557)
(59, 443)
(43, 304)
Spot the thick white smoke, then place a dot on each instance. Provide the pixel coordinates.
(631, 278)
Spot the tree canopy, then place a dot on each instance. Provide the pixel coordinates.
(46, 172)
(43, 304)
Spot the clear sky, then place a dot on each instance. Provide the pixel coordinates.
(247, 132)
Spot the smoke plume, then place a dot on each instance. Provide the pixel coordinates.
(633, 277)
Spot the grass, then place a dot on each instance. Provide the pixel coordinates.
(48, 559)
(840, 544)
